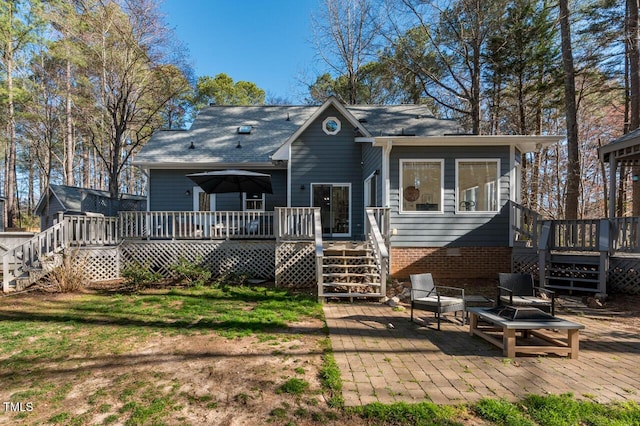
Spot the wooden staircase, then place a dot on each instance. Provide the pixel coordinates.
(349, 270)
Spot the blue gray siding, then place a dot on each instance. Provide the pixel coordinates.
(450, 229)
(371, 162)
(167, 191)
(51, 213)
(320, 158)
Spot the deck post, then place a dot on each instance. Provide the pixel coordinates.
(605, 248)
(542, 253)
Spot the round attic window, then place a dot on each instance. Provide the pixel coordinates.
(331, 125)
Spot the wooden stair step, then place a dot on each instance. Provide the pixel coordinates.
(339, 265)
(351, 295)
(349, 274)
(579, 279)
(560, 287)
(332, 284)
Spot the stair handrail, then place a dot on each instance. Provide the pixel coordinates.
(380, 248)
(319, 252)
(51, 240)
(525, 222)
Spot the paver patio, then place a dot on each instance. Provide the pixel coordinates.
(383, 357)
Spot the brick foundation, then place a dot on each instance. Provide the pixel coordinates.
(456, 262)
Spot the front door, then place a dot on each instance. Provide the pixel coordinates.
(334, 201)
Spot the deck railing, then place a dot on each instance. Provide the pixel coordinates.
(379, 241)
(319, 252)
(574, 235)
(295, 223)
(91, 230)
(382, 219)
(626, 234)
(196, 225)
(31, 253)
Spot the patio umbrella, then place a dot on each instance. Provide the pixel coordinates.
(225, 181)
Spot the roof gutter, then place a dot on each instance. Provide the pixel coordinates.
(523, 143)
(210, 166)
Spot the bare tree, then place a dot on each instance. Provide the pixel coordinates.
(129, 78)
(345, 35)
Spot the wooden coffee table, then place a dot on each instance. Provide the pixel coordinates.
(509, 328)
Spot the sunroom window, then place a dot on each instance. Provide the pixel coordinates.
(421, 185)
(477, 185)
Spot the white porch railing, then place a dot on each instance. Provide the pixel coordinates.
(196, 225)
(379, 241)
(30, 254)
(91, 230)
(317, 227)
(295, 223)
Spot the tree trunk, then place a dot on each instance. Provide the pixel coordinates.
(69, 148)
(573, 161)
(10, 180)
(634, 90)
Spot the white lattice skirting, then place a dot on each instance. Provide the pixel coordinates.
(256, 258)
(291, 263)
(100, 263)
(295, 265)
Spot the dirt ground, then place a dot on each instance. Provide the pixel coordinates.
(209, 379)
(618, 308)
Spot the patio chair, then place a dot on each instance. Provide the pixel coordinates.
(518, 290)
(253, 226)
(427, 296)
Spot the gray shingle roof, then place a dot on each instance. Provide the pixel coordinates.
(71, 196)
(215, 139)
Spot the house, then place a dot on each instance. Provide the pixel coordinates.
(447, 193)
(72, 200)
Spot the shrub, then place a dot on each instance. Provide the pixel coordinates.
(233, 279)
(70, 275)
(138, 275)
(192, 273)
(294, 386)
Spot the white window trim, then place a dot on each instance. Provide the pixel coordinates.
(324, 126)
(498, 200)
(343, 184)
(401, 187)
(212, 199)
(244, 203)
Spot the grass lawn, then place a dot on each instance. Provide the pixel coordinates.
(206, 355)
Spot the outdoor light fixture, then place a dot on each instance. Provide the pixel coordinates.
(187, 193)
(192, 146)
(238, 146)
(302, 187)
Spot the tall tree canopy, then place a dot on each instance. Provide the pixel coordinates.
(222, 90)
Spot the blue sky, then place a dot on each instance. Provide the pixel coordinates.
(268, 42)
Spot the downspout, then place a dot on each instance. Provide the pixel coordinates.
(146, 173)
(512, 192)
(289, 178)
(386, 152)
